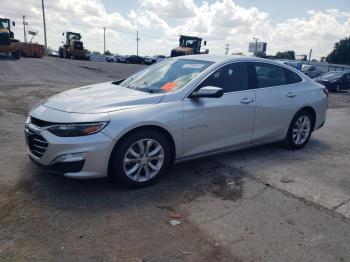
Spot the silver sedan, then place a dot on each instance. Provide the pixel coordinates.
(179, 109)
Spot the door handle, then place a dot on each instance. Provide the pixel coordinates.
(247, 100)
(290, 94)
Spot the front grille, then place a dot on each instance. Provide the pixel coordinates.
(36, 143)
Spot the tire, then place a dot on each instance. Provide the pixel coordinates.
(296, 131)
(337, 89)
(138, 164)
(66, 54)
(16, 54)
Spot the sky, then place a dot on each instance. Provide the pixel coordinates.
(285, 25)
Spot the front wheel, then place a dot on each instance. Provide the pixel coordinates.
(140, 158)
(300, 130)
(16, 54)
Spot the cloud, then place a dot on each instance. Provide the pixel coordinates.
(170, 8)
(85, 16)
(161, 21)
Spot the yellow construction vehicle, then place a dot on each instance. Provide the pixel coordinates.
(73, 47)
(189, 45)
(8, 44)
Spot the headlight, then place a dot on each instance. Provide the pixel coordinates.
(71, 130)
(333, 81)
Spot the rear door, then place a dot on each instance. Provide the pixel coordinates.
(277, 99)
(212, 124)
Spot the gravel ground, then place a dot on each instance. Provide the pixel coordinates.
(232, 207)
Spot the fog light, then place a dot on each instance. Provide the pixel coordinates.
(71, 157)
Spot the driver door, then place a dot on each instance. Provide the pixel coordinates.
(212, 124)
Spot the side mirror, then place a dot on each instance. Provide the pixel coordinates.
(205, 42)
(13, 24)
(208, 91)
(63, 34)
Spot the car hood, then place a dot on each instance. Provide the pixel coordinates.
(100, 98)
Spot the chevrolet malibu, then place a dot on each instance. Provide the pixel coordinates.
(180, 109)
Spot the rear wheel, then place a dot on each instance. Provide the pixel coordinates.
(300, 130)
(140, 159)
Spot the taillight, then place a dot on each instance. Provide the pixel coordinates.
(325, 91)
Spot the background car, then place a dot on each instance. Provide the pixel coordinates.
(134, 59)
(53, 53)
(111, 58)
(148, 60)
(311, 71)
(335, 80)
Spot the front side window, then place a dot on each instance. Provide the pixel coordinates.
(168, 76)
(231, 78)
(268, 75)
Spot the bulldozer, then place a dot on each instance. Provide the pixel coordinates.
(73, 47)
(189, 45)
(8, 44)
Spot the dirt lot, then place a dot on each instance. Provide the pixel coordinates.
(261, 204)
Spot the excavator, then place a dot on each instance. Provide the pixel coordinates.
(189, 45)
(73, 47)
(8, 44)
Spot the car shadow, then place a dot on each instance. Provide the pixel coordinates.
(181, 183)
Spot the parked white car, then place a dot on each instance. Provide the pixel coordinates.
(180, 109)
(311, 71)
(148, 60)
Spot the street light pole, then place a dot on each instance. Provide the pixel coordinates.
(24, 29)
(104, 40)
(137, 42)
(44, 21)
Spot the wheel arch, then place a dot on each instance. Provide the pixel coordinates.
(156, 128)
(312, 111)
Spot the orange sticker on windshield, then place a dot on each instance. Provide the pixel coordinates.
(168, 86)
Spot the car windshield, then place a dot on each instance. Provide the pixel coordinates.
(333, 74)
(168, 76)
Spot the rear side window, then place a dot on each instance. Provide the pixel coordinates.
(231, 78)
(268, 75)
(292, 77)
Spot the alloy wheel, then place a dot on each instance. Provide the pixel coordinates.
(143, 160)
(301, 130)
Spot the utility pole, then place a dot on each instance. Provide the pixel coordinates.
(43, 7)
(137, 42)
(24, 29)
(104, 40)
(310, 55)
(227, 48)
(256, 45)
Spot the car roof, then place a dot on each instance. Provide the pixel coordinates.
(226, 58)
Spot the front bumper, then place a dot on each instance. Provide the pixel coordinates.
(75, 157)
